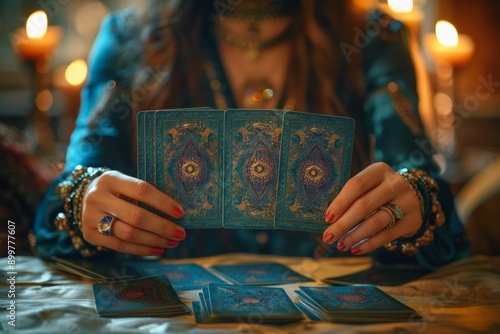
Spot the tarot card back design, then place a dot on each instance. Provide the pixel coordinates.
(252, 147)
(315, 164)
(189, 163)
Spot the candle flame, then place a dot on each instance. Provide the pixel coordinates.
(400, 6)
(76, 72)
(446, 33)
(36, 26)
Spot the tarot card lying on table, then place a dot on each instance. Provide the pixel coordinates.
(245, 304)
(260, 274)
(352, 304)
(246, 168)
(98, 270)
(146, 297)
(185, 276)
(382, 275)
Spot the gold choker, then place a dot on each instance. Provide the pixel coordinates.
(252, 48)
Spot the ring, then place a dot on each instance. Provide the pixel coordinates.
(394, 211)
(398, 212)
(105, 225)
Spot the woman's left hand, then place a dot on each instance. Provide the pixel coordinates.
(357, 220)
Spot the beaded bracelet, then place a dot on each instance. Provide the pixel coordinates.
(71, 190)
(426, 188)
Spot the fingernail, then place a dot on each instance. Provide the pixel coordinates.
(178, 212)
(328, 237)
(157, 250)
(340, 246)
(355, 250)
(329, 216)
(179, 234)
(172, 243)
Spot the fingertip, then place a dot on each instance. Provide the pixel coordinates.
(329, 216)
(355, 250)
(172, 243)
(178, 211)
(328, 237)
(157, 250)
(179, 234)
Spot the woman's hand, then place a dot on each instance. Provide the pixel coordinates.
(134, 230)
(357, 221)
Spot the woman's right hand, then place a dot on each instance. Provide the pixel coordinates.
(134, 230)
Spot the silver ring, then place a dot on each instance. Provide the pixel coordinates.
(394, 211)
(391, 213)
(105, 225)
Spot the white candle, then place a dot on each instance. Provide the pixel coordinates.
(449, 46)
(37, 39)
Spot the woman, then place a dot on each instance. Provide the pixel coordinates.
(315, 56)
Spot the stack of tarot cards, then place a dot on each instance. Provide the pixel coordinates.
(267, 273)
(269, 169)
(352, 304)
(245, 304)
(146, 297)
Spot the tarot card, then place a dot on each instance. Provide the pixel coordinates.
(150, 296)
(141, 152)
(189, 163)
(315, 164)
(252, 144)
(96, 269)
(185, 276)
(145, 149)
(382, 275)
(260, 274)
(229, 303)
(149, 146)
(354, 304)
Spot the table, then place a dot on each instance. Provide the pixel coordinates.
(463, 297)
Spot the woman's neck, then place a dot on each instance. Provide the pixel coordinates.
(256, 57)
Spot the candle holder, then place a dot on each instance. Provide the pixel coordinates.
(450, 52)
(36, 52)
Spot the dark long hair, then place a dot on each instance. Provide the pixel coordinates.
(320, 79)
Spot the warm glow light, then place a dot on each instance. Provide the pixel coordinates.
(44, 100)
(446, 33)
(400, 6)
(36, 26)
(76, 72)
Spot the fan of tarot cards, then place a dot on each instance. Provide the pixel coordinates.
(238, 168)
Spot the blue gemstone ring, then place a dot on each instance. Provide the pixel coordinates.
(105, 225)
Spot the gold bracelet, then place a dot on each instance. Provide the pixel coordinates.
(426, 189)
(71, 190)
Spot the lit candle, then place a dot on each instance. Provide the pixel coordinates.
(404, 11)
(446, 45)
(37, 39)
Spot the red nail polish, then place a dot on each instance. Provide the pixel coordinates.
(179, 234)
(355, 250)
(340, 246)
(178, 213)
(328, 237)
(172, 243)
(329, 217)
(157, 250)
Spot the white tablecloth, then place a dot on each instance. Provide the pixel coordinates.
(463, 297)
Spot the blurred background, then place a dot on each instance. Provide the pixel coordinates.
(43, 68)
